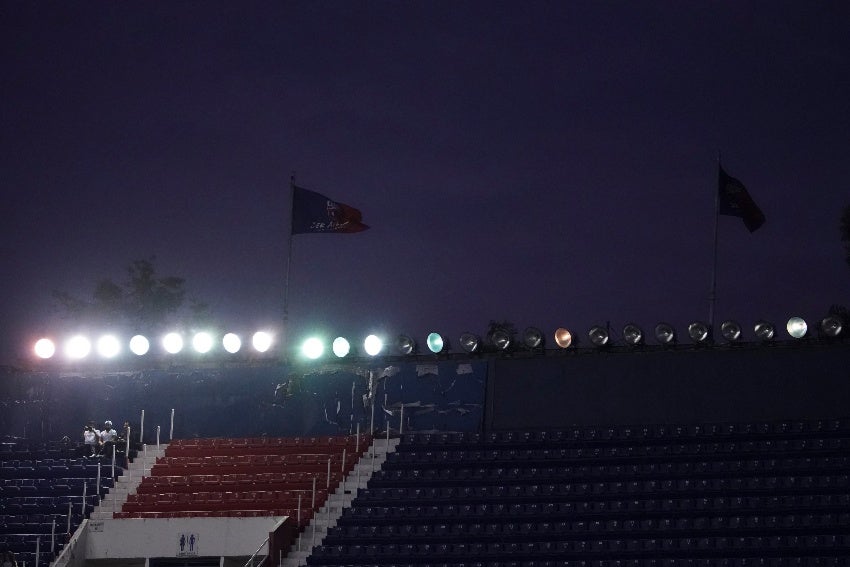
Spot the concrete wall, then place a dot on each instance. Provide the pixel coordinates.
(155, 537)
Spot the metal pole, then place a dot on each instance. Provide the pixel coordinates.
(83, 506)
(127, 448)
(342, 468)
(313, 505)
(328, 480)
(401, 421)
(171, 432)
(53, 537)
(69, 518)
(141, 428)
(357, 443)
(37, 549)
(372, 400)
(299, 521)
(157, 440)
(145, 458)
(113, 462)
(98, 478)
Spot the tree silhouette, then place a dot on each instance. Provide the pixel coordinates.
(144, 301)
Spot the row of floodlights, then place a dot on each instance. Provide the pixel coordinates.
(599, 336)
(80, 347)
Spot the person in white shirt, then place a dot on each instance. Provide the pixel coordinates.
(91, 439)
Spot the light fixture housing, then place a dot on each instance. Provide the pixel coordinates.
(699, 332)
(730, 331)
(665, 334)
(373, 345)
(501, 339)
(797, 327)
(341, 347)
(599, 336)
(563, 337)
(831, 326)
(405, 345)
(633, 335)
(44, 348)
(470, 342)
(764, 330)
(139, 345)
(532, 338)
(435, 343)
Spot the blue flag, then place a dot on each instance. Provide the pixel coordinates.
(314, 213)
(735, 201)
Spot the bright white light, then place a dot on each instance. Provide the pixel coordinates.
(797, 327)
(262, 341)
(231, 343)
(139, 345)
(172, 343)
(44, 348)
(373, 345)
(108, 346)
(313, 348)
(341, 347)
(202, 342)
(78, 347)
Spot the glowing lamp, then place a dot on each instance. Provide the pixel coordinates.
(632, 334)
(341, 347)
(373, 345)
(77, 347)
(435, 343)
(108, 346)
(797, 327)
(44, 348)
(312, 348)
(139, 345)
(231, 343)
(563, 338)
(261, 341)
(730, 331)
(202, 342)
(470, 342)
(665, 334)
(172, 343)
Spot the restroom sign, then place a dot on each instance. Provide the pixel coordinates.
(187, 544)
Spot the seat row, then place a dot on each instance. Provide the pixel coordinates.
(772, 449)
(569, 491)
(289, 497)
(778, 429)
(503, 529)
(595, 507)
(55, 472)
(254, 460)
(162, 469)
(261, 481)
(563, 549)
(212, 514)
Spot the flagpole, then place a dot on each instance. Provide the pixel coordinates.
(712, 295)
(285, 333)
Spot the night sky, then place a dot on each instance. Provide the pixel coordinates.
(549, 163)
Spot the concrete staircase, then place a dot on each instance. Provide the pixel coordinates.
(314, 533)
(128, 482)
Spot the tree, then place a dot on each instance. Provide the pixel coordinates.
(145, 301)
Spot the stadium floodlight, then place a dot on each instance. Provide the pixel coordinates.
(632, 334)
(764, 331)
(261, 341)
(470, 342)
(172, 343)
(77, 347)
(731, 331)
(563, 337)
(665, 334)
(108, 346)
(373, 345)
(797, 327)
(532, 338)
(44, 348)
(501, 339)
(341, 347)
(831, 326)
(202, 342)
(139, 345)
(405, 345)
(699, 332)
(598, 336)
(313, 348)
(231, 343)
(435, 342)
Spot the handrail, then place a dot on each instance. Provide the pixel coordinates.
(250, 562)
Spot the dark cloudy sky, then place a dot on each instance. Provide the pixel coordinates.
(550, 163)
